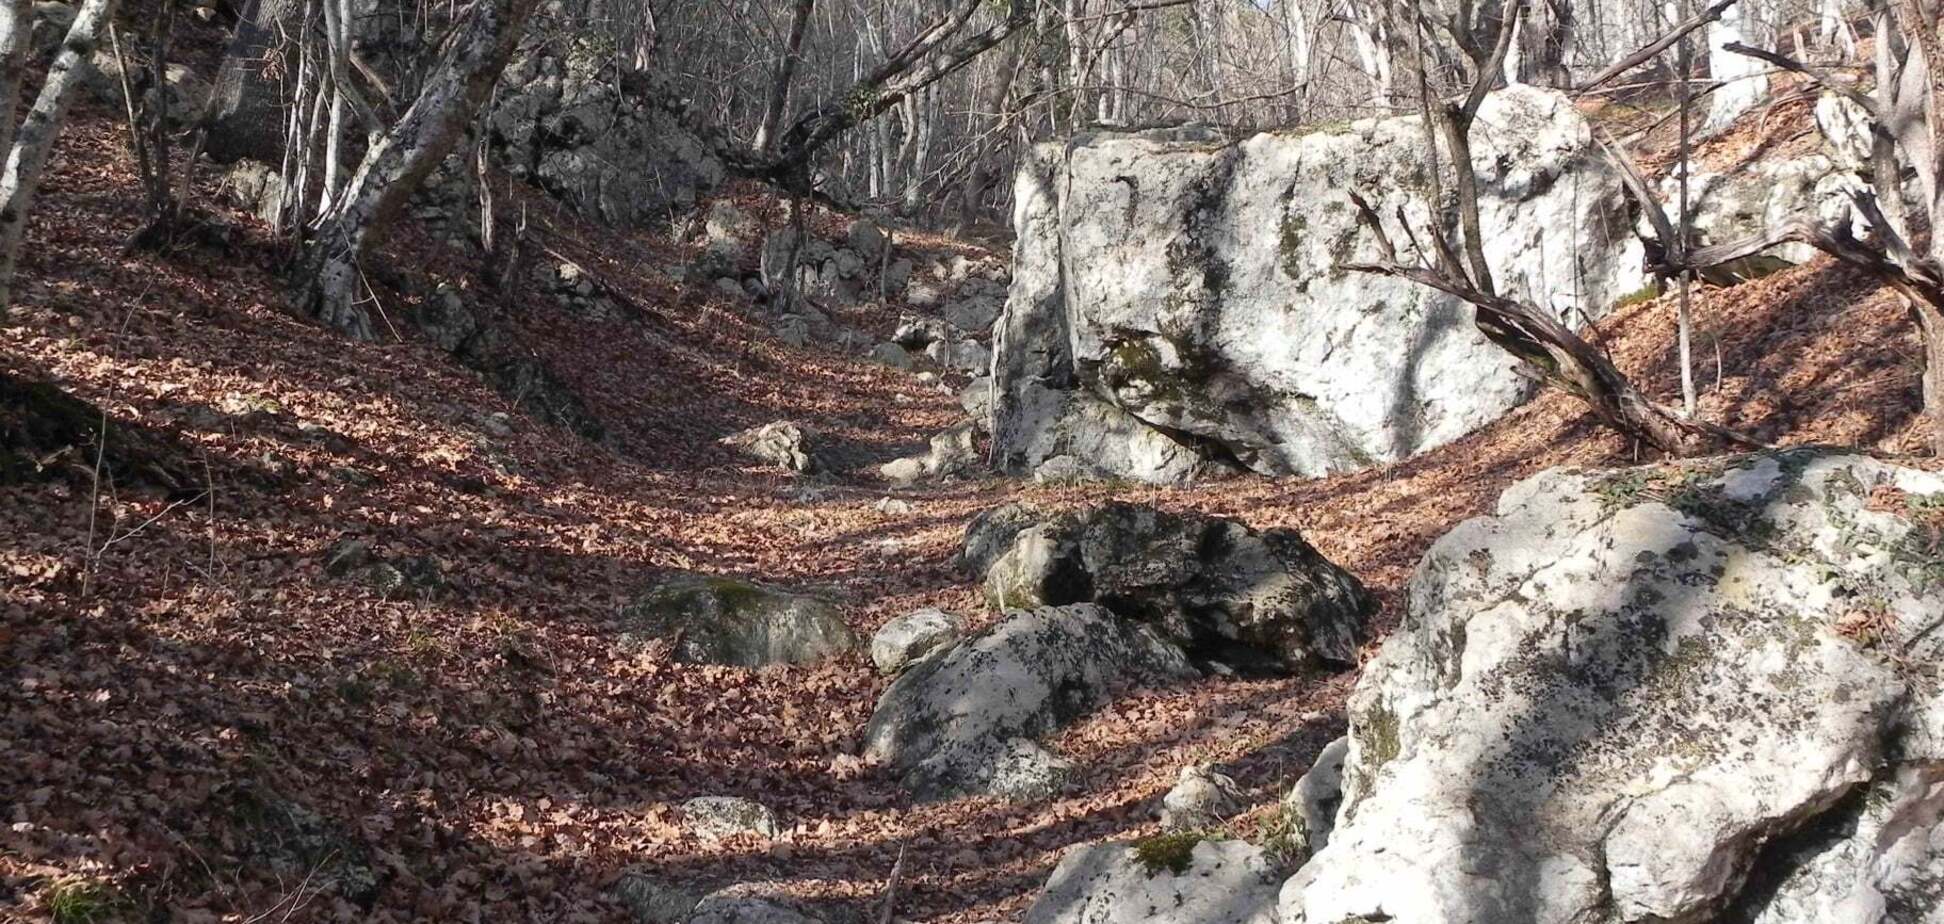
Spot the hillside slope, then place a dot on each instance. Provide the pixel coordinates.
(206, 721)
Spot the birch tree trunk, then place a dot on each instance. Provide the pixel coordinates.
(401, 159)
(34, 140)
(16, 34)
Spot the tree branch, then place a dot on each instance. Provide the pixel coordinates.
(1655, 47)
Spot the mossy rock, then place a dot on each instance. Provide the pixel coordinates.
(718, 620)
(1173, 852)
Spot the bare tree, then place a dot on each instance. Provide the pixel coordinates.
(779, 92)
(1906, 113)
(1552, 350)
(28, 146)
(399, 160)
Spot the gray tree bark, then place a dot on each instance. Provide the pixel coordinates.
(34, 140)
(247, 104)
(401, 159)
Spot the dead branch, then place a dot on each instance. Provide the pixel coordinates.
(1556, 355)
(1822, 76)
(1651, 49)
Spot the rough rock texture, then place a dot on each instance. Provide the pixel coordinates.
(602, 143)
(1691, 693)
(1221, 590)
(1759, 195)
(1310, 808)
(750, 904)
(951, 453)
(913, 636)
(719, 620)
(1189, 282)
(724, 816)
(890, 354)
(961, 721)
(1160, 881)
(779, 443)
(1201, 798)
(653, 900)
(976, 399)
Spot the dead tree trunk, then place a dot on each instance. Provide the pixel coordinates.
(401, 159)
(34, 140)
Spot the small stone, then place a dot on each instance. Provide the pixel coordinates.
(1201, 798)
(346, 557)
(911, 637)
(890, 354)
(717, 817)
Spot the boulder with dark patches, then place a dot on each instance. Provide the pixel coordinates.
(963, 720)
(1226, 593)
(718, 620)
(1694, 692)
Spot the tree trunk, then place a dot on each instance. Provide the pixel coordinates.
(16, 35)
(1930, 323)
(34, 141)
(779, 90)
(247, 114)
(400, 160)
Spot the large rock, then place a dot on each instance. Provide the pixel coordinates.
(604, 143)
(1221, 590)
(719, 620)
(962, 721)
(1171, 879)
(1683, 694)
(1761, 194)
(1192, 282)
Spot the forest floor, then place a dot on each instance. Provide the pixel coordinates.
(171, 662)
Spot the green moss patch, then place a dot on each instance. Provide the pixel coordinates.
(1173, 852)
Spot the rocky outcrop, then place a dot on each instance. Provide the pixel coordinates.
(1176, 295)
(1224, 592)
(963, 720)
(1689, 693)
(1760, 194)
(601, 142)
(1171, 879)
(717, 620)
